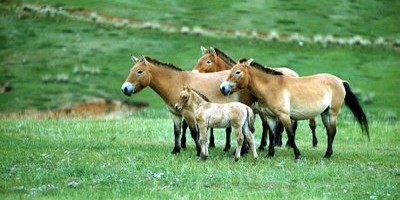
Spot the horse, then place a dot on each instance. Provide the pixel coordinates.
(214, 60)
(286, 98)
(218, 115)
(166, 80)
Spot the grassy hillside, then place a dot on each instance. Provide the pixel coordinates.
(52, 61)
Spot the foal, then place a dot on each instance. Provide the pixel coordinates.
(218, 115)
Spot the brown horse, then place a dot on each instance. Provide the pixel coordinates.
(214, 60)
(218, 115)
(167, 80)
(286, 98)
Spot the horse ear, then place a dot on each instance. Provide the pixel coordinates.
(134, 59)
(212, 51)
(249, 61)
(144, 59)
(203, 50)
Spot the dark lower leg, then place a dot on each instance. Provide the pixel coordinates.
(212, 143)
(331, 136)
(177, 132)
(278, 134)
(263, 142)
(228, 139)
(291, 140)
(314, 136)
(183, 137)
(271, 147)
(195, 137)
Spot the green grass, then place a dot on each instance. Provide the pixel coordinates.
(130, 158)
(53, 61)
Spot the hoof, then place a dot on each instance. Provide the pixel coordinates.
(314, 145)
(271, 154)
(226, 149)
(211, 145)
(236, 159)
(183, 146)
(327, 156)
(204, 157)
(297, 160)
(176, 150)
(261, 148)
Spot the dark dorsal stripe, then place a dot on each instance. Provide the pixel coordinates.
(204, 97)
(261, 67)
(167, 65)
(224, 57)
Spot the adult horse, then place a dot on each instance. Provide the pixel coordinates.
(214, 60)
(167, 81)
(286, 98)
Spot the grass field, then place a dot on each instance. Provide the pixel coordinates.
(52, 61)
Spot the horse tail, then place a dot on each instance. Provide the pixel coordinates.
(351, 102)
(250, 119)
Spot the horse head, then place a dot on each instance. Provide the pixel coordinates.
(237, 79)
(184, 98)
(139, 76)
(208, 62)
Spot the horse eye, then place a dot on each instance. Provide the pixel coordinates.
(208, 62)
(140, 72)
(237, 72)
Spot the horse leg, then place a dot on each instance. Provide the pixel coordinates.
(263, 142)
(313, 126)
(278, 134)
(177, 131)
(195, 136)
(239, 140)
(212, 142)
(294, 128)
(183, 137)
(228, 139)
(203, 141)
(285, 119)
(329, 121)
(272, 129)
(249, 136)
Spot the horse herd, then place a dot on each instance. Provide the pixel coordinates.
(203, 98)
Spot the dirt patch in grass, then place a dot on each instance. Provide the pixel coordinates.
(92, 108)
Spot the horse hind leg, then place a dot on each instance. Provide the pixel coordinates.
(228, 139)
(249, 137)
(239, 140)
(263, 142)
(329, 122)
(313, 126)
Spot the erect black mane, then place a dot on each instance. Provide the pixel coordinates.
(204, 97)
(225, 57)
(262, 68)
(158, 63)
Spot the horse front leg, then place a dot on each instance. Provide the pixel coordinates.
(263, 142)
(228, 132)
(294, 128)
(195, 136)
(286, 121)
(177, 132)
(212, 139)
(272, 128)
(183, 138)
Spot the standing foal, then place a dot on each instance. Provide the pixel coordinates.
(218, 115)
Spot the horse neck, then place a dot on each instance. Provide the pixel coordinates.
(223, 64)
(258, 78)
(195, 101)
(165, 82)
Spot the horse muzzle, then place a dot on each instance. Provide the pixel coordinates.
(177, 107)
(128, 88)
(225, 88)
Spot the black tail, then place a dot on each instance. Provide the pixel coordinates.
(351, 102)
